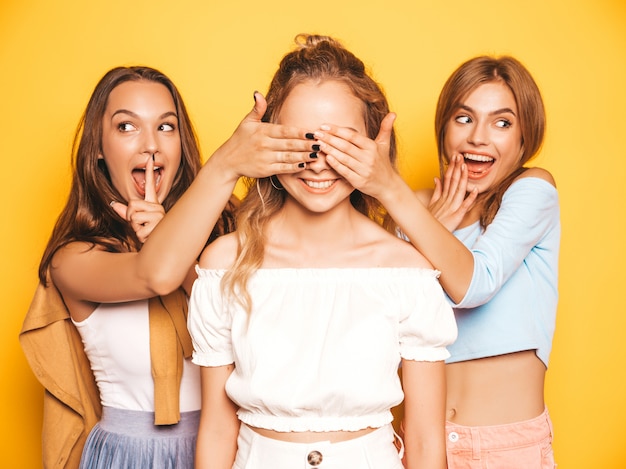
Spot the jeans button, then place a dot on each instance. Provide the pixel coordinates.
(453, 437)
(314, 458)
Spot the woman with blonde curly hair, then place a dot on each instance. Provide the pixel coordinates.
(301, 317)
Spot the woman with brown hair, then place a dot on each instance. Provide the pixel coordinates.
(112, 271)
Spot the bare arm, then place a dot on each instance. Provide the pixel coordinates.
(87, 276)
(219, 425)
(424, 414)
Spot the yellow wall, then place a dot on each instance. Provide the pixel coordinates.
(218, 52)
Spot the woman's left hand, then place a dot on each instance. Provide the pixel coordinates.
(363, 162)
(455, 197)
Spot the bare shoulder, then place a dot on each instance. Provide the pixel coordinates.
(392, 251)
(221, 253)
(538, 173)
(424, 196)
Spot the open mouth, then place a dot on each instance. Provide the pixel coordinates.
(477, 164)
(139, 176)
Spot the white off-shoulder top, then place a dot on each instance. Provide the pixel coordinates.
(321, 348)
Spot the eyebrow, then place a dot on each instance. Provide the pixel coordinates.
(504, 110)
(132, 114)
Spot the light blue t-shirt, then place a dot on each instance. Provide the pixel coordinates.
(511, 303)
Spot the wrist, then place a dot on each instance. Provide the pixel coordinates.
(218, 166)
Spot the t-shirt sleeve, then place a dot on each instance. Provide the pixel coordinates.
(209, 321)
(429, 327)
(529, 210)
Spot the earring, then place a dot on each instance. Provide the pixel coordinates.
(276, 185)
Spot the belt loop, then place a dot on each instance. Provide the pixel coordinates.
(549, 420)
(475, 443)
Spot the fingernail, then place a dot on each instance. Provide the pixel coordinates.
(316, 147)
(325, 127)
(313, 155)
(153, 157)
(254, 95)
(301, 165)
(309, 136)
(112, 203)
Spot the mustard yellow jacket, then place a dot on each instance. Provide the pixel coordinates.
(54, 351)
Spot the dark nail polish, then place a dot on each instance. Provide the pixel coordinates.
(153, 157)
(310, 136)
(313, 155)
(316, 147)
(301, 165)
(254, 95)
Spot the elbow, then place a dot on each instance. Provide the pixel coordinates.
(162, 283)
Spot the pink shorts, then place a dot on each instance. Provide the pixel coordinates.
(520, 445)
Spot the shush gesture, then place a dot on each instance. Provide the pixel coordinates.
(143, 214)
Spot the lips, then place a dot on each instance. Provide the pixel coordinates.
(139, 176)
(477, 165)
(321, 185)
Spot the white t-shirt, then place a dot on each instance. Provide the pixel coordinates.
(321, 347)
(116, 338)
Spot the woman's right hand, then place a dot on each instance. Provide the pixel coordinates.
(260, 149)
(451, 201)
(143, 214)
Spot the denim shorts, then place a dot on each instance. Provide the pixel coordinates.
(375, 450)
(520, 445)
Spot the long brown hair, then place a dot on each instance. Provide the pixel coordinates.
(317, 59)
(87, 215)
(532, 118)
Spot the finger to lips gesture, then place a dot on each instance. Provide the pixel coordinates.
(451, 201)
(259, 149)
(143, 215)
(363, 162)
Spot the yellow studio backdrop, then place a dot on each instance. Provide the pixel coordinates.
(53, 53)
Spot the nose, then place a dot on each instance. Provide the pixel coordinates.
(479, 135)
(150, 142)
(319, 164)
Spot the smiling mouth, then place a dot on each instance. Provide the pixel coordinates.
(319, 184)
(477, 164)
(139, 176)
